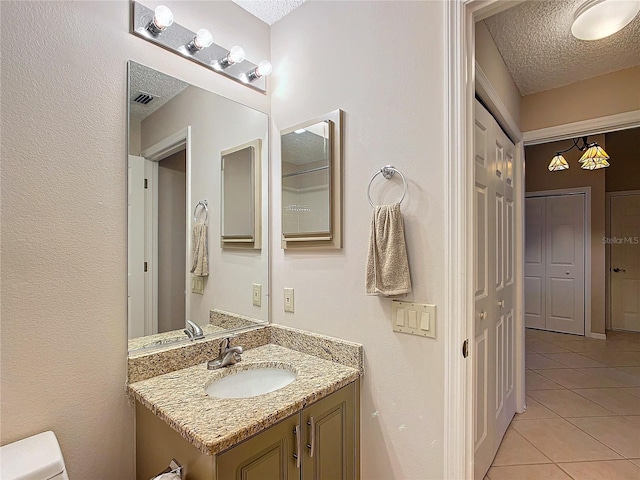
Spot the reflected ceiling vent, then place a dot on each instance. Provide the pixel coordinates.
(142, 98)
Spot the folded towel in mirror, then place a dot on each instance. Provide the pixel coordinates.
(387, 263)
(200, 250)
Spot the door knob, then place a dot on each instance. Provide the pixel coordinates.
(617, 270)
(483, 315)
(501, 303)
(567, 272)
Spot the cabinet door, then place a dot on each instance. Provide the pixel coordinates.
(266, 456)
(330, 429)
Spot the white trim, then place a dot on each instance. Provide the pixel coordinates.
(587, 246)
(607, 216)
(458, 413)
(496, 106)
(620, 121)
(598, 336)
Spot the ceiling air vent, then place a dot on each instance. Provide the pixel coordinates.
(142, 98)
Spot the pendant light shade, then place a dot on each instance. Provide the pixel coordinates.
(558, 163)
(594, 153)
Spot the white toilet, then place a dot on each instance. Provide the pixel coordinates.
(34, 458)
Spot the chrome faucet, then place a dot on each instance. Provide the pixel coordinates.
(228, 355)
(193, 331)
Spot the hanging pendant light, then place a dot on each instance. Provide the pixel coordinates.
(593, 158)
(558, 163)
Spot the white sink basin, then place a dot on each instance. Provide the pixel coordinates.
(250, 383)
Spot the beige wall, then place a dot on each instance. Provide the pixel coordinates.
(391, 116)
(538, 178)
(624, 149)
(610, 94)
(493, 66)
(64, 204)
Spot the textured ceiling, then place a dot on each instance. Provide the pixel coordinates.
(161, 86)
(269, 11)
(535, 41)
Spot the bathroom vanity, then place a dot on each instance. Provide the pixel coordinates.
(306, 429)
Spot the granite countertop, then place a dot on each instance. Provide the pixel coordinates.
(216, 424)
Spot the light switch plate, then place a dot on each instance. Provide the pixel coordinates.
(288, 300)
(197, 285)
(414, 318)
(257, 294)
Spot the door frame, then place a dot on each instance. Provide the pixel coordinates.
(460, 18)
(607, 216)
(587, 248)
(181, 140)
(462, 82)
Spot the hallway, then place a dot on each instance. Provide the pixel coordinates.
(583, 411)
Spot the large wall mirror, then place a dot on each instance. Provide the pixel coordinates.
(179, 271)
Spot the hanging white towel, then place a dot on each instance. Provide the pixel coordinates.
(387, 264)
(200, 250)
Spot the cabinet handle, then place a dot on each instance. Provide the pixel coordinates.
(297, 455)
(312, 424)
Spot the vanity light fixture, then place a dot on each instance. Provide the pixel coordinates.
(202, 39)
(594, 156)
(235, 55)
(263, 69)
(198, 47)
(162, 18)
(596, 19)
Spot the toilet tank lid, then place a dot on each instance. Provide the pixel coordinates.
(34, 458)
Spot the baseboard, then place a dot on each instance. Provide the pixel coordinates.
(599, 336)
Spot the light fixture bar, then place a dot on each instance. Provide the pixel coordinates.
(175, 38)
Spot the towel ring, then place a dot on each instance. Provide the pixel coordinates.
(387, 172)
(205, 205)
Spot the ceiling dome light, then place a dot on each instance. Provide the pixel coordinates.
(596, 19)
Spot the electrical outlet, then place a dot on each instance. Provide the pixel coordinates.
(288, 300)
(257, 294)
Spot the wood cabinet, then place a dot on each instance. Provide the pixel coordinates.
(321, 442)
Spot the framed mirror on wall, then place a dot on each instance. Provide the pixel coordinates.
(178, 270)
(312, 183)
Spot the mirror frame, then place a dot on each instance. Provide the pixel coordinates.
(255, 241)
(300, 241)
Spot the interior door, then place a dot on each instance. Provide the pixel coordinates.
(494, 280)
(564, 283)
(625, 262)
(534, 262)
(555, 263)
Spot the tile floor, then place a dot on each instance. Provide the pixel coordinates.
(583, 411)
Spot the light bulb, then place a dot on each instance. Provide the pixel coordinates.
(236, 54)
(203, 39)
(163, 17)
(264, 68)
